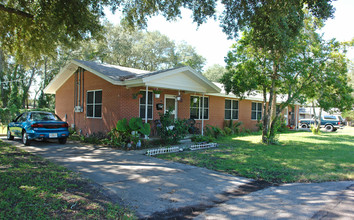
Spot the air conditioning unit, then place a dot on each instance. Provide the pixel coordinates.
(78, 109)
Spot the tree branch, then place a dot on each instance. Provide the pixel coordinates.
(15, 11)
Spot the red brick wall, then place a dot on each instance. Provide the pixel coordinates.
(118, 103)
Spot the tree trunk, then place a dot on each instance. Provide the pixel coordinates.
(265, 118)
(27, 87)
(271, 106)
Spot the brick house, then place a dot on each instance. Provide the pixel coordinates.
(92, 97)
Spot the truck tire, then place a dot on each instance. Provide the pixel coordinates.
(304, 126)
(329, 128)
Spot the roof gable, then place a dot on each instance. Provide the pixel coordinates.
(181, 78)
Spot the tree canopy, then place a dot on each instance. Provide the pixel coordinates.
(35, 28)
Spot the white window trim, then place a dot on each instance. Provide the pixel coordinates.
(200, 106)
(257, 111)
(94, 94)
(238, 104)
(152, 105)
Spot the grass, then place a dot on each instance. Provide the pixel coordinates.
(300, 157)
(34, 188)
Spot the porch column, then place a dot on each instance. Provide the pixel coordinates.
(203, 114)
(146, 106)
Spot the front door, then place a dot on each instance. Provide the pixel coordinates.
(171, 105)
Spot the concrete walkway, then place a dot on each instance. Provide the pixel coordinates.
(152, 187)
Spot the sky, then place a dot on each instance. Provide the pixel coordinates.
(212, 43)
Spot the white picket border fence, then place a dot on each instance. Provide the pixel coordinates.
(165, 150)
(203, 146)
(162, 150)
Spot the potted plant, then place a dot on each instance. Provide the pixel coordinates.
(157, 92)
(138, 95)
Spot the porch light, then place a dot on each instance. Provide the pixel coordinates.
(179, 98)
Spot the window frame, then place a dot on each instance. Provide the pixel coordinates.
(152, 105)
(199, 107)
(94, 103)
(257, 111)
(232, 109)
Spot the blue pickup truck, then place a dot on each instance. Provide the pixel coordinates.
(329, 122)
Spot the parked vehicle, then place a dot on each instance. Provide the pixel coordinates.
(329, 122)
(38, 125)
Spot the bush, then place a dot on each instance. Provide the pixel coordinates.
(214, 131)
(235, 127)
(95, 138)
(126, 134)
(228, 131)
(170, 130)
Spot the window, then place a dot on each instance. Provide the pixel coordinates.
(256, 111)
(94, 104)
(330, 117)
(142, 105)
(196, 109)
(231, 109)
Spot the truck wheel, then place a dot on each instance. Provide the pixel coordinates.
(304, 126)
(329, 128)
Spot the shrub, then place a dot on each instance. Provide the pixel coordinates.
(126, 134)
(235, 127)
(171, 130)
(228, 131)
(214, 131)
(95, 138)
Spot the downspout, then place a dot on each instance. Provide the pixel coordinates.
(83, 90)
(75, 96)
(79, 88)
(146, 106)
(203, 115)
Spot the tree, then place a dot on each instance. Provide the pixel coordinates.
(29, 29)
(215, 72)
(138, 49)
(311, 68)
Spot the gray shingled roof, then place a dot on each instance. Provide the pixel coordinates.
(119, 73)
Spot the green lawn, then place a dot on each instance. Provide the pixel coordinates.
(300, 157)
(34, 188)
